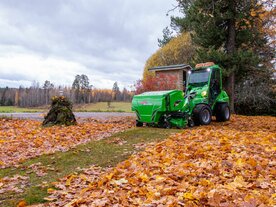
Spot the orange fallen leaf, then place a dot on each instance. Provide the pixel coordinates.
(22, 204)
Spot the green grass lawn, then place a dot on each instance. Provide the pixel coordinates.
(102, 153)
(93, 107)
(14, 109)
(104, 107)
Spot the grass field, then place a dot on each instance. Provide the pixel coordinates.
(106, 152)
(93, 107)
(14, 109)
(104, 107)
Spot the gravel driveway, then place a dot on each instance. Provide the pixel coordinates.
(96, 115)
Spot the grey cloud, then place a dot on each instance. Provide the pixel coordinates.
(111, 39)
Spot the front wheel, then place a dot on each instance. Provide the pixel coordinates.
(164, 123)
(202, 115)
(223, 112)
(139, 124)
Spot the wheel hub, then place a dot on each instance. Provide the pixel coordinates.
(205, 115)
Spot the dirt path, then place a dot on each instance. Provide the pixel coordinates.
(97, 115)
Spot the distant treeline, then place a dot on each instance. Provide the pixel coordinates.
(80, 92)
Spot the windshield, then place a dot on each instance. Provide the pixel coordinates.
(199, 77)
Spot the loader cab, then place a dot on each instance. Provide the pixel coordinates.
(206, 80)
(198, 81)
(198, 78)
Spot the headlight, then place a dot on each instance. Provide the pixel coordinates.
(204, 93)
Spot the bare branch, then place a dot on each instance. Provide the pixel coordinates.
(172, 10)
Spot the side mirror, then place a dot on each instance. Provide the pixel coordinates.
(192, 95)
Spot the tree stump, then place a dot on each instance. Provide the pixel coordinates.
(60, 113)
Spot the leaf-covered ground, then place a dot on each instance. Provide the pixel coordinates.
(223, 164)
(24, 139)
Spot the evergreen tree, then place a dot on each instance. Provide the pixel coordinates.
(116, 91)
(167, 36)
(82, 88)
(115, 87)
(230, 33)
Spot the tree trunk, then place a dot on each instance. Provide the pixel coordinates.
(230, 87)
(46, 97)
(230, 49)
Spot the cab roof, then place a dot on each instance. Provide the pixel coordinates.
(205, 65)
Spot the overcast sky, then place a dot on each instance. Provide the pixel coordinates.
(108, 40)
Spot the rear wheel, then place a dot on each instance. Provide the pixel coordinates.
(202, 115)
(223, 112)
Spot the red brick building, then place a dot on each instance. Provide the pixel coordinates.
(179, 72)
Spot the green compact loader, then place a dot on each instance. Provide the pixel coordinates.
(203, 98)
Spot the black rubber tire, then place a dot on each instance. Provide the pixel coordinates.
(139, 124)
(222, 112)
(163, 123)
(202, 115)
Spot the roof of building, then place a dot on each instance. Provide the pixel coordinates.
(171, 67)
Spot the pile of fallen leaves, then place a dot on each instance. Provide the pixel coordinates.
(223, 164)
(71, 186)
(60, 112)
(24, 139)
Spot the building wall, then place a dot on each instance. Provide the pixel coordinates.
(178, 74)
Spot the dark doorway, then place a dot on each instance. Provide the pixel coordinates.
(184, 80)
(214, 85)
